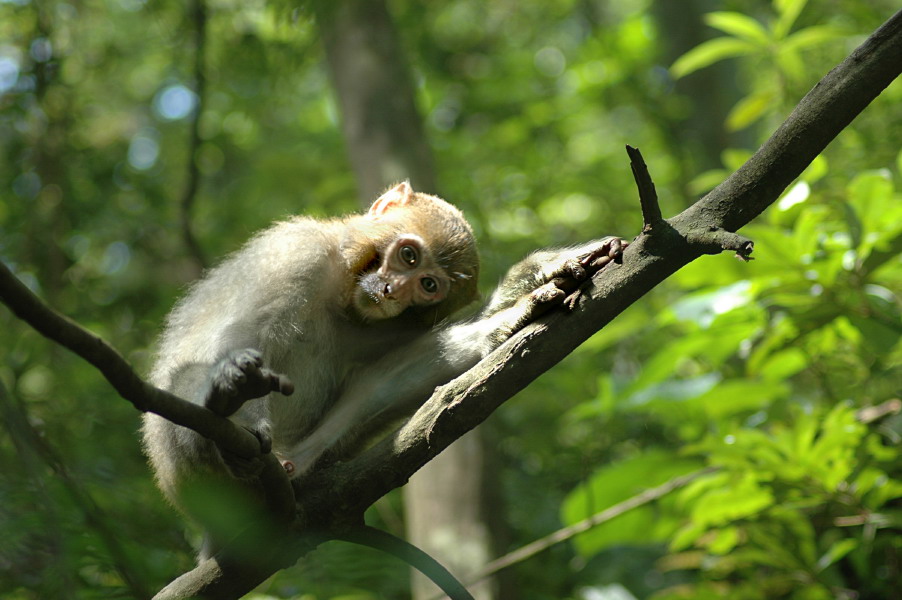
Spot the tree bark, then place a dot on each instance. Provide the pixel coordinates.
(381, 125)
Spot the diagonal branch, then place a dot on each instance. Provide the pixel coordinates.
(468, 400)
(565, 533)
(141, 394)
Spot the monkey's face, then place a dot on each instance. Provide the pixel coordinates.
(404, 275)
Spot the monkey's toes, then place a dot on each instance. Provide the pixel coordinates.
(546, 294)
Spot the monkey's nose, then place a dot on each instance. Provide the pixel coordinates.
(387, 290)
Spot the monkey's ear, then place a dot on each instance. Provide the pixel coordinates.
(399, 195)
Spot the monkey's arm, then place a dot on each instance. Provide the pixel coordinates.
(177, 452)
(398, 383)
(539, 270)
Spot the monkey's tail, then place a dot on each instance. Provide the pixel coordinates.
(404, 550)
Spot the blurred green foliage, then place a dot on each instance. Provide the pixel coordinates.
(757, 368)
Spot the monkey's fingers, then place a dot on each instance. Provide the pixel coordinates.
(611, 249)
(548, 293)
(247, 468)
(278, 383)
(570, 268)
(571, 301)
(604, 248)
(264, 439)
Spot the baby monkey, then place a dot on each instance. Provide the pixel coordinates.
(348, 318)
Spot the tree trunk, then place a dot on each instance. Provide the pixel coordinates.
(386, 143)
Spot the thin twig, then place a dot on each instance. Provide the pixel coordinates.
(604, 516)
(199, 19)
(869, 414)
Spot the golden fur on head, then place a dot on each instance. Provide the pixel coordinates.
(453, 246)
(443, 228)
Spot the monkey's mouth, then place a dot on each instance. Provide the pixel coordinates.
(373, 287)
(373, 300)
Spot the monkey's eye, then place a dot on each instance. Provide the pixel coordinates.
(408, 254)
(429, 284)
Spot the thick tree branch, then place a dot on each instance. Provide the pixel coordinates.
(465, 402)
(141, 394)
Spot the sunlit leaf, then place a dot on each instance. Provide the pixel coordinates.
(788, 11)
(791, 64)
(738, 25)
(616, 483)
(710, 52)
(750, 109)
(836, 552)
(724, 540)
(811, 36)
(744, 497)
(738, 396)
(782, 365)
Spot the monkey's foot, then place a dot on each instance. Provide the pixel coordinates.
(597, 254)
(240, 377)
(247, 468)
(589, 260)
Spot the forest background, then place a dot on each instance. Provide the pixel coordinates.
(762, 370)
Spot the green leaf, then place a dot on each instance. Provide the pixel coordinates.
(739, 395)
(783, 365)
(744, 498)
(738, 25)
(791, 64)
(836, 552)
(788, 11)
(871, 195)
(811, 36)
(710, 52)
(750, 109)
(616, 483)
(724, 540)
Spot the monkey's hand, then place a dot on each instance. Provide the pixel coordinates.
(576, 265)
(543, 280)
(240, 377)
